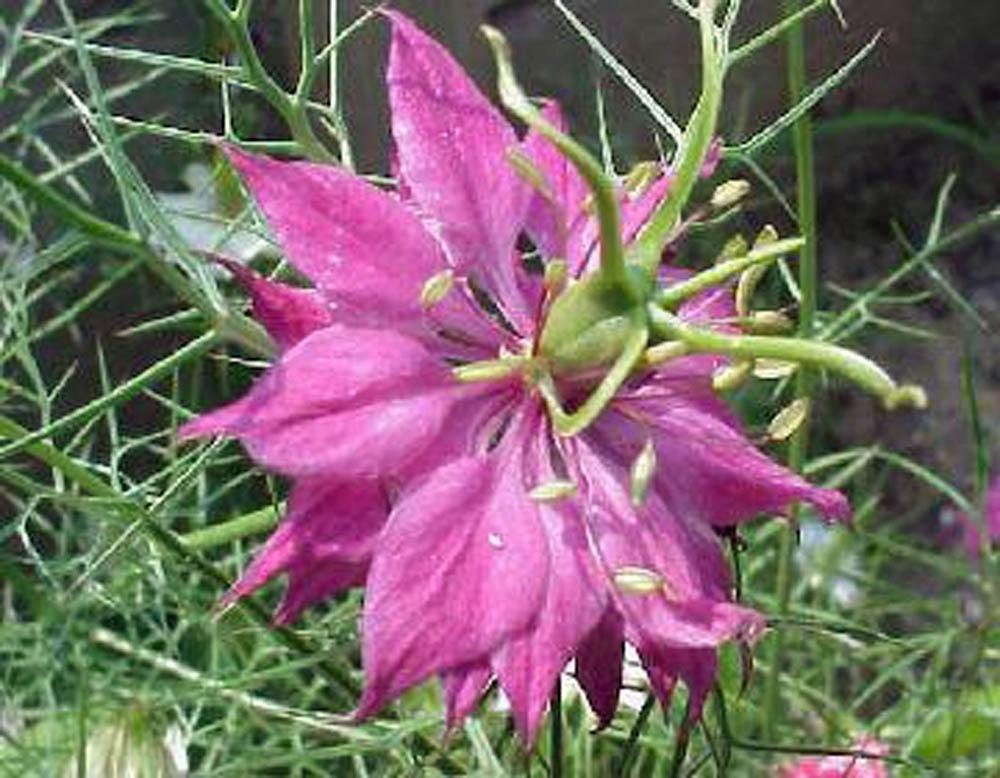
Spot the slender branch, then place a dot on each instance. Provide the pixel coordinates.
(798, 449)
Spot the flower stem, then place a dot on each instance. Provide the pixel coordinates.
(556, 731)
(648, 248)
(808, 271)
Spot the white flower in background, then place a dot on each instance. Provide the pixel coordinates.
(826, 558)
(130, 746)
(200, 218)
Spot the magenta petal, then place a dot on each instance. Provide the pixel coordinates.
(460, 567)
(528, 665)
(323, 543)
(707, 469)
(696, 667)
(462, 688)
(693, 610)
(348, 401)
(599, 666)
(452, 145)
(361, 247)
(288, 314)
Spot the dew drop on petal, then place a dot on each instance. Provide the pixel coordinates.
(495, 540)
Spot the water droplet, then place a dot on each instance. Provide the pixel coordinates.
(495, 540)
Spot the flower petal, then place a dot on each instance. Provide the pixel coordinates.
(462, 688)
(599, 666)
(707, 469)
(288, 314)
(692, 609)
(460, 567)
(528, 665)
(324, 543)
(697, 667)
(452, 145)
(365, 251)
(346, 401)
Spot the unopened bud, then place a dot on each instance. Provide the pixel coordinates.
(731, 377)
(746, 287)
(642, 473)
(734, 248)
(556, 273)
(788, 420)
(728, 194)
(435, 288)
(553, 491)
(766, 236)
(770, 323)
(640, 177)
(773, 369)
(638, 580)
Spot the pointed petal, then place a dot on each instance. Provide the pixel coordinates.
(696, 667)
(288, 314)
(528, 665)
(361, 247)
(692, 608)
(323, 543)
(599, 666)
(460, 567)
(452, 144)
(462, 688)
(707, 469)
(346, 401)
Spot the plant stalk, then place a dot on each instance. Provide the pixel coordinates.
(798, 449)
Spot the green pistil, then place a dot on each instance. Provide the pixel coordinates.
(860, 370)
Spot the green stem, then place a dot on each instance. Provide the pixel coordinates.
(122, 392)
(850, 364)
(229, 324)
(292, 109)
(556, 731)
(240, 527)
(94, 485)
(674, 295)
(648, 247)
(808, 271)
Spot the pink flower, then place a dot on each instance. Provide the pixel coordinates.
(488, 546)
(842, 766)
(964, 529)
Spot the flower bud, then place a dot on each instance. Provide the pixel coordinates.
(556, 273)
(733, 376)
(728, 194)
(130, 743)
(553, 491)
(770, 323)
(639, 178)
(789, 419)
(766, 236)
(436, 287)
(641, 474)
(638, 580)
(773, 369)
(734, 248)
